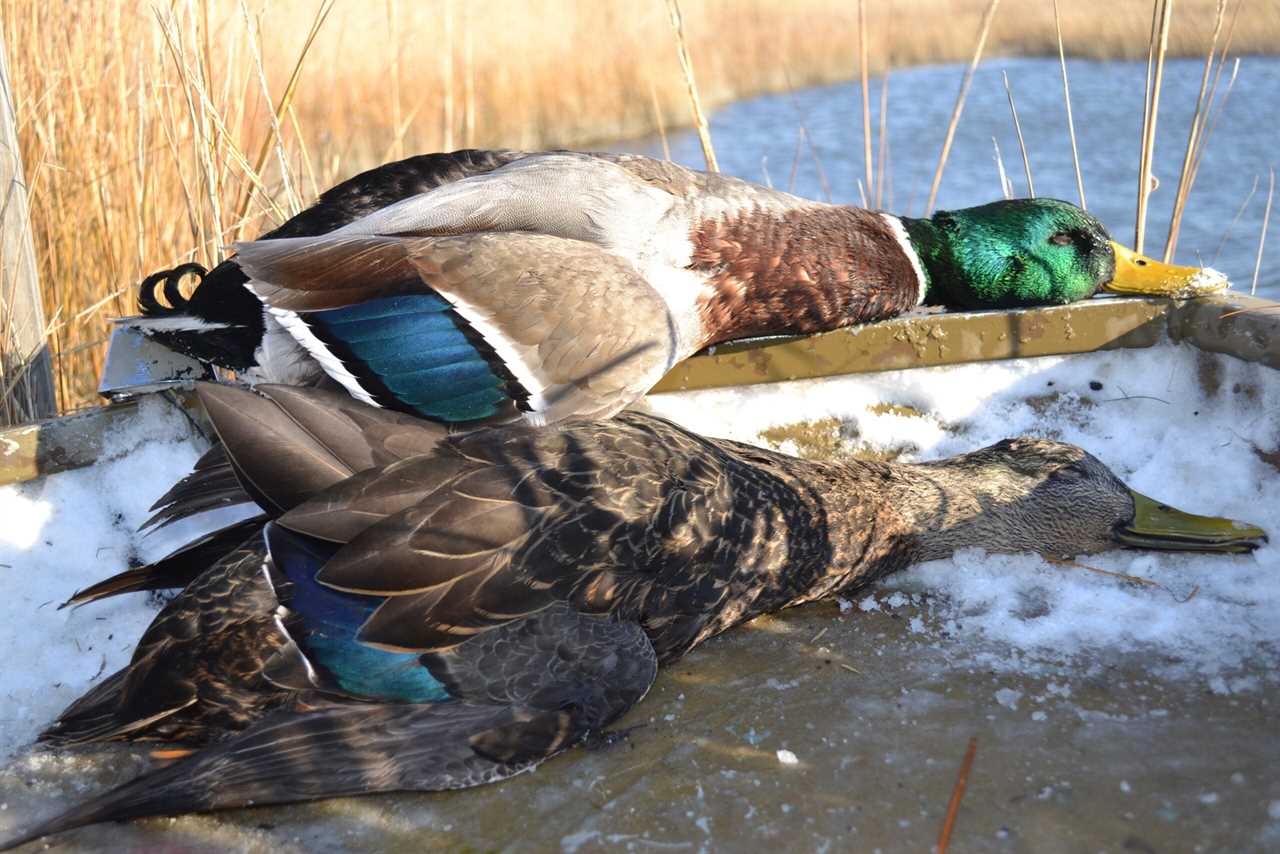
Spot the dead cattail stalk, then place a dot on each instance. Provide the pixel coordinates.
(393, 73)
(447, 58)
(1194, 136)
(1239, 213)
(255, 45)
(1207, 129)
(1262, 236)
(1017, 126)
(1159, 47)
(983, 30)
(1143, 180)
(1066, 98)
(957, 794)
(795, 161)
(658, 120)
(303, 153)
(882, 152)
(1217, 114)
(686, 65)
(866, 94)
(468, 79)
(817, 164)
(1006, 189)
(286, 98)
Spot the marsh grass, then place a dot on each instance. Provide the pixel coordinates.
(153, 135)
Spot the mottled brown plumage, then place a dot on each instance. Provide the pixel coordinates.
(799, 271)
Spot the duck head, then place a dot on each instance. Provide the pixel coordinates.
(1022, 252)
(1059, 500)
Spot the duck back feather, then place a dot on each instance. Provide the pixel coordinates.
(221, 322)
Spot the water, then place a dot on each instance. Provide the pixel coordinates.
(758, 139)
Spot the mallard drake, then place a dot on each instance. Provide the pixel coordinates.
(502, 285)
(455, 617)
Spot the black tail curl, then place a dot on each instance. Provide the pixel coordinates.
(171, 280)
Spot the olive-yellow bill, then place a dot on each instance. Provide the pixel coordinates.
(1138, 275)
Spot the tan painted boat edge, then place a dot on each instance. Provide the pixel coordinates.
(1236, 325)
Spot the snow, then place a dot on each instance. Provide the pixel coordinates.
(1179, 425)
(1206, 280)
(1156, 420)
(1008, 698)
(63, 533)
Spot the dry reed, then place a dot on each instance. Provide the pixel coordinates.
(1006, 186)
(984, 30)
(957, 794)
(1066, 99)
(1195, 136)
(1262, 235)
(695, 100)
(863, 75)
(1022, 144)
(1226, 232)
(1162, 18)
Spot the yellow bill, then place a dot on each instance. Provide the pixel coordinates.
(1159, 526)
(1138, 275)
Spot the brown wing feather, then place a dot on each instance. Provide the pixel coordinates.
(567, 317)
(289, 444)
(584, 322)
(633, 517)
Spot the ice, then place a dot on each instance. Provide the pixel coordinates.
(1008, 698)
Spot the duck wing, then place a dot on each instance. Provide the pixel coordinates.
(197, 670)
(632, 517)
(221, 322)
(463, 329)
(522, 694)
(296, 442)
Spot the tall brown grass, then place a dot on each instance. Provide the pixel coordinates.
(143, 128)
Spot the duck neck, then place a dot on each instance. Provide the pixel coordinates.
(934, 249)
(887, 516)
(802, 270)
(948, 505)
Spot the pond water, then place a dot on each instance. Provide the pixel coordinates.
(759, 138)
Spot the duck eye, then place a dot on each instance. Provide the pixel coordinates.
(1070, 472)
(1062, 238)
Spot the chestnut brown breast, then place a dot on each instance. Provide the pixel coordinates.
(800, 271)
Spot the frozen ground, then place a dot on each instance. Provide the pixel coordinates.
(1111, 714)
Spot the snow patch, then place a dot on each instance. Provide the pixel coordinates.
(63, 533)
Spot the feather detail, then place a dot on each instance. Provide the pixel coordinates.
(472, 327)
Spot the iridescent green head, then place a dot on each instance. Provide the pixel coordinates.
(1013, 253)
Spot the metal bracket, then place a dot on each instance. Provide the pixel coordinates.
(137, 364)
